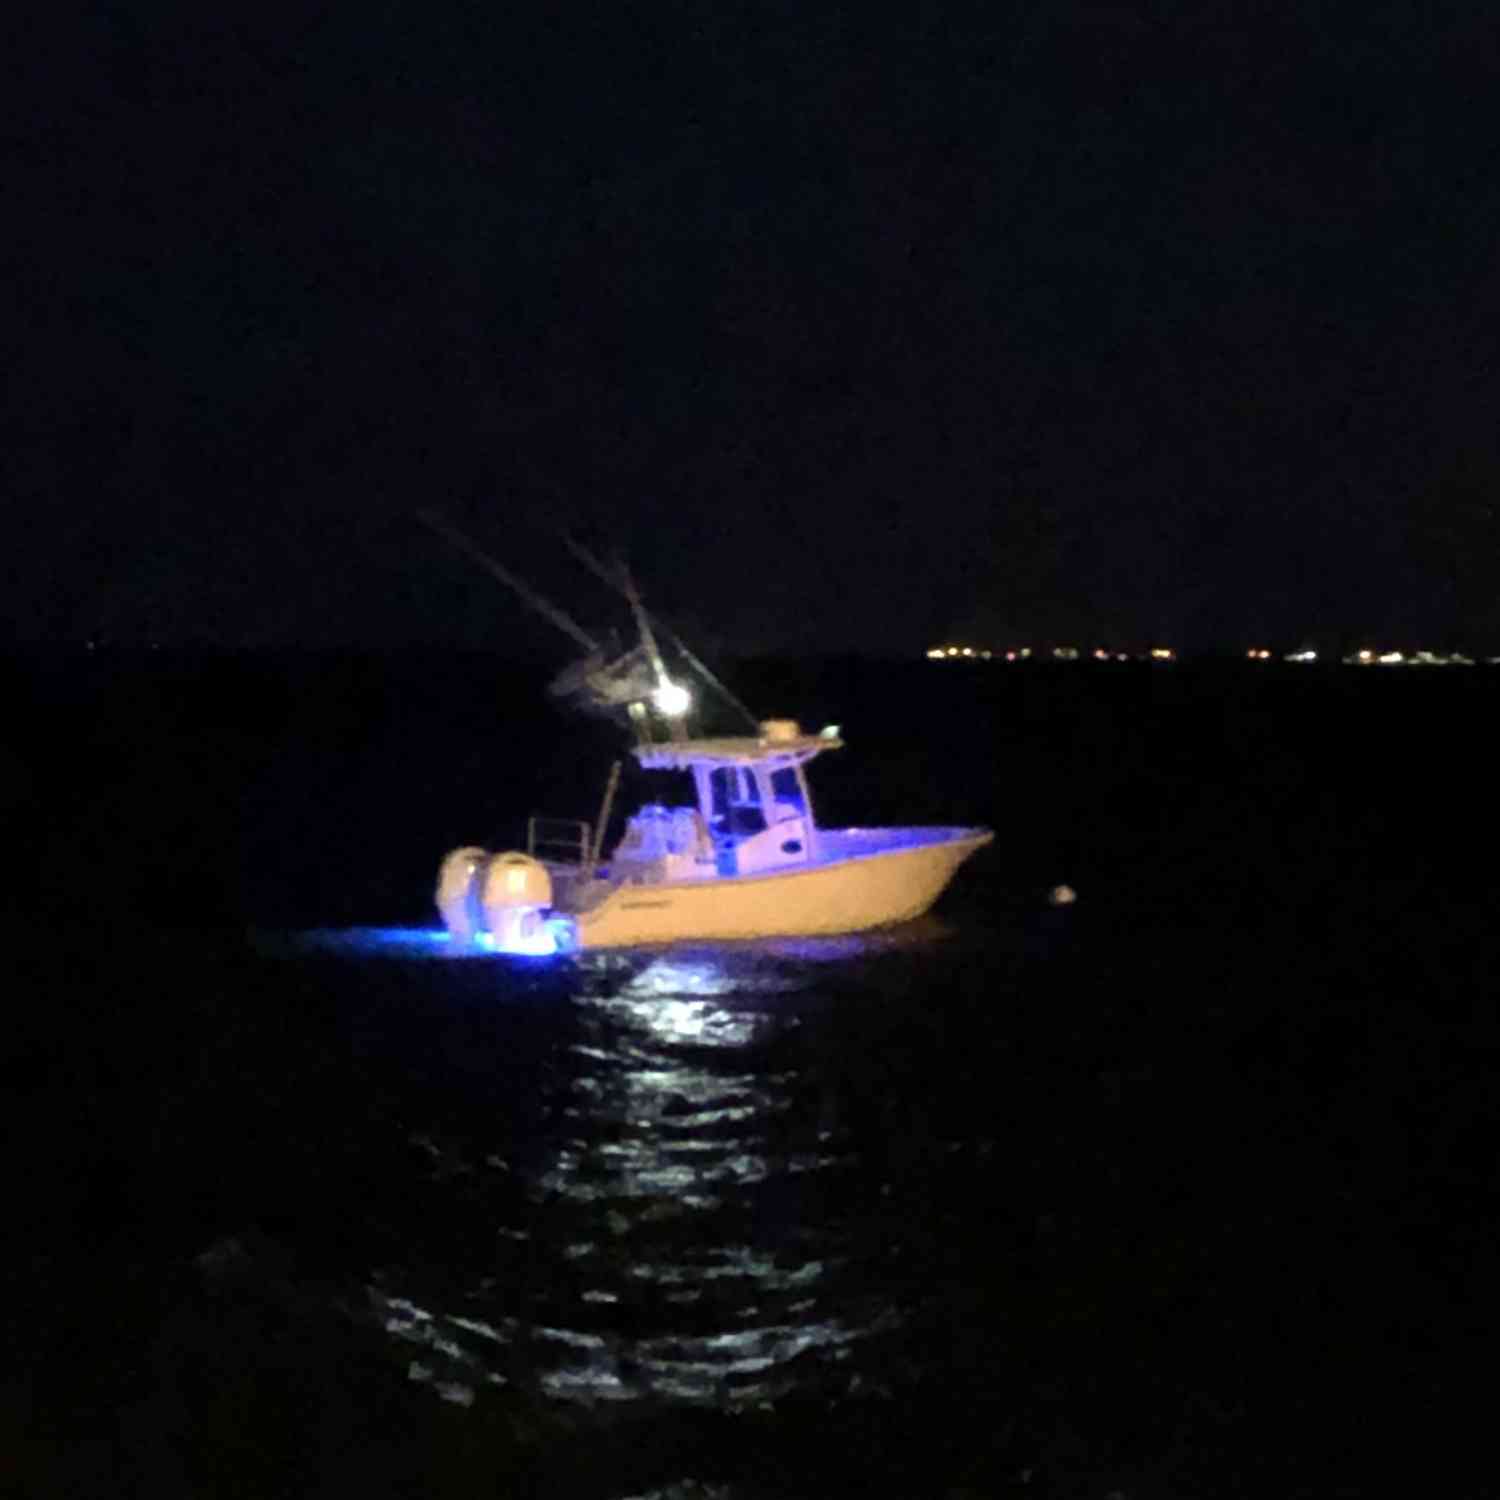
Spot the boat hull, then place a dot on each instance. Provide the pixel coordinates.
(841, 894)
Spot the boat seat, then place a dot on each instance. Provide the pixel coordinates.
(689, 834)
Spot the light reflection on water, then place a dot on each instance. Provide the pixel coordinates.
(674, 1229)
(681, 964)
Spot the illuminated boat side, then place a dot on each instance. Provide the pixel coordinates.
(839, 893)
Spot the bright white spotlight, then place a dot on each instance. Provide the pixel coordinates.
(672, 699)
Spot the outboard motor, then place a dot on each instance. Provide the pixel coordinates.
(456, 893)
(515, 891)
(503, 895)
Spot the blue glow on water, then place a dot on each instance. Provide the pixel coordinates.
(693, 968)
(394, 942)
(411, 943)
(542, 943)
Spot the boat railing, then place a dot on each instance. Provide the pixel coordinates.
(558, 841)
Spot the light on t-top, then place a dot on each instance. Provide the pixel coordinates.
(672, 699)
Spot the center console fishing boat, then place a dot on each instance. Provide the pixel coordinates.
(744, 858)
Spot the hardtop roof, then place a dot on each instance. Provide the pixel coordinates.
(732, 750)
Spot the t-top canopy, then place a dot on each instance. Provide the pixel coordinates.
(774, 749)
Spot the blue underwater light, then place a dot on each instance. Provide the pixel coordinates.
(548, 938)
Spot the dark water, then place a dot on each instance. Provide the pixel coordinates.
(1186, 1190)
(689, 1210)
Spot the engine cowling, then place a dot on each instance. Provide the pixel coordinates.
(515, 892)
(512, 883)
(457, 892)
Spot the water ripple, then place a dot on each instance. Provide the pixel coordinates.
(673, 1207)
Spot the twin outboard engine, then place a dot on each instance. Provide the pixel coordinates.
(505, 896)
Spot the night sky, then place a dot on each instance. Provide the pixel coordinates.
(855, 327)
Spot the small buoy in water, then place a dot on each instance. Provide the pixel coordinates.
(1061, 895)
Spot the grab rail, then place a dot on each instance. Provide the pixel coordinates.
(563, 841)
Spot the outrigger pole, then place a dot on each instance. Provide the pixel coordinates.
(564, 622)
(621, 582)
(635, 704)
(618, 579)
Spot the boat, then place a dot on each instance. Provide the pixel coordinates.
(741, 856)
(745, 859)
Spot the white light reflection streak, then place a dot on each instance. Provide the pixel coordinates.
(674, 1122)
